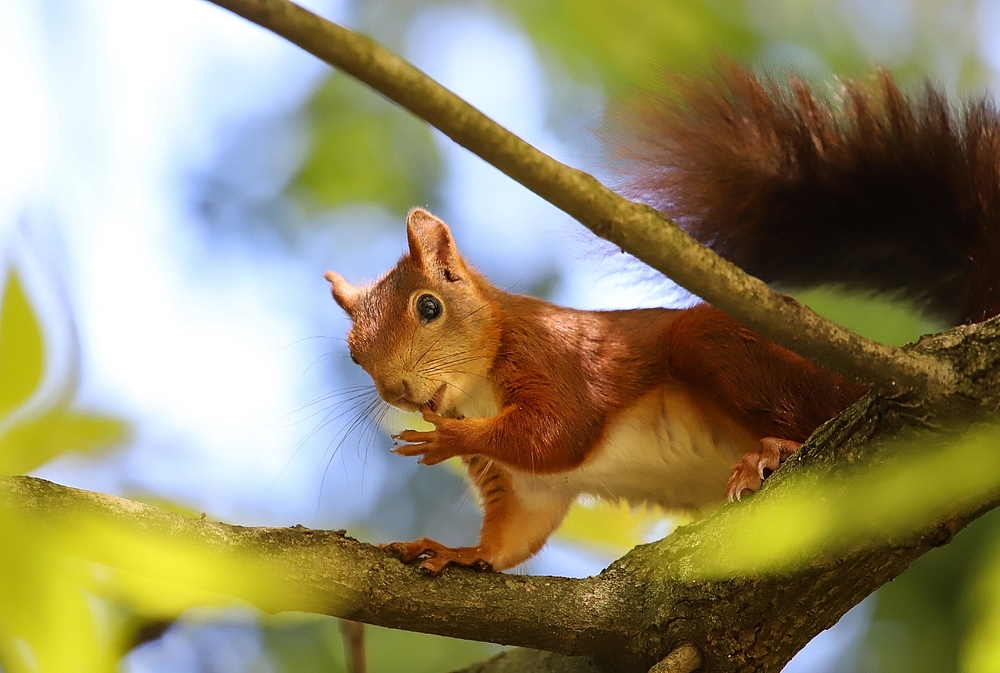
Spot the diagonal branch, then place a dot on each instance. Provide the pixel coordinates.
(636, 228)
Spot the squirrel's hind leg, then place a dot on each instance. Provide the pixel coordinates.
(517, 520)
(749, 474)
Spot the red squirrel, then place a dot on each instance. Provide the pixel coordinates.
(543, 403)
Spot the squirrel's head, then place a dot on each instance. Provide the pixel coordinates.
(425, 331)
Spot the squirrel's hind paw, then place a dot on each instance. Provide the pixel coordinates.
(749, 474)
(435, 556)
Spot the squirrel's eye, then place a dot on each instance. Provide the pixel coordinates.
(354, 359)
(428, 308)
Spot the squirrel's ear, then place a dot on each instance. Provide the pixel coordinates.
(431, 245)
(345, 294)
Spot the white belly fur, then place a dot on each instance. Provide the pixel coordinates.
(663, 450)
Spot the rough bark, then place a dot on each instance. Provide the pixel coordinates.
(644, 606)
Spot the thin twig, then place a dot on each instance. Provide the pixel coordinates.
(636, 228)
(354, 646)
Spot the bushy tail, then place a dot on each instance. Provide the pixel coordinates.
(868, 188)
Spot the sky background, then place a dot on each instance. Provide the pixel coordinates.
(148, 151)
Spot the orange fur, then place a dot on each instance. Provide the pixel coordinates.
(771, 390)
(558, 388)
(871, 189)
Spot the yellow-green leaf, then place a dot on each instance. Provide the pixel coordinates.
(30, 444)
(22, 353)
(46, 625)
(53, 619)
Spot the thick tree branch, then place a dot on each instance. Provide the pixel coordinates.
(636, 228)
(326, 572)
(648, 604)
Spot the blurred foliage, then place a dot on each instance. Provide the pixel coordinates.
(834, 511)
(63, 613)
(32, 443)
(21, 351)
(365, 149)
(28, 442)
(52, 599)
(922, 619)
(46, 623)
(627, 44)
(978, 615)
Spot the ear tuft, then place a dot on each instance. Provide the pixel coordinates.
(431, 245)
(345, 294)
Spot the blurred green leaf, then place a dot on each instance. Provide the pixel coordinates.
(981, 647)
(22, 355)
(27, 445)
(364, 149)
(924, 478)
(46, 624)
(924, 619)
(58, 607)
(629, 43)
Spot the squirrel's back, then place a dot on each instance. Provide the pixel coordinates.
(868, 188)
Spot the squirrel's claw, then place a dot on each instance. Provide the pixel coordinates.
(423, 444)
(413, 437)
(753, 468)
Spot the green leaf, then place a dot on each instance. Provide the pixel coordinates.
(58, 611)
(365, 149)
(30, 444)
(22, 354)
(46, 624)
(917, 480)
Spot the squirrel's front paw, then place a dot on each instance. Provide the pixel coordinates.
(433, 447)
(429, 454)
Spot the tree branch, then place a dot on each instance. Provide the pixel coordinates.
(656, 599)
(636, 228)
(326, 572)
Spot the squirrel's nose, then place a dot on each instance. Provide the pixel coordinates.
(399, 391)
